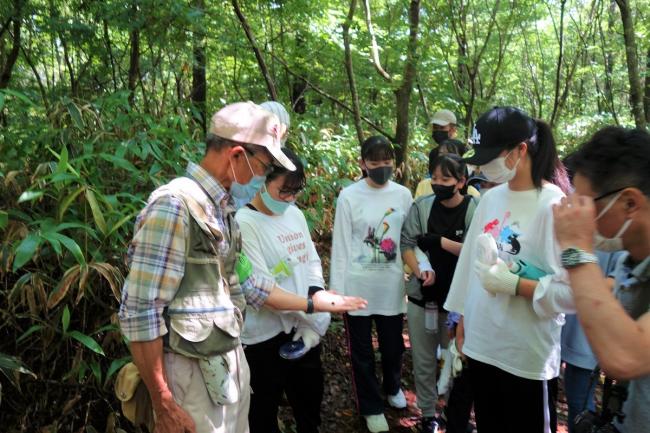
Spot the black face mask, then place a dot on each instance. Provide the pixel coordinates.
(440, 136)
(443, 192)
(380, 175)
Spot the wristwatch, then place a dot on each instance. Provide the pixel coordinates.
(310, 305)
(574, 256)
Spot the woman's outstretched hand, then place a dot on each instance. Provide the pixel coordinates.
(332, 302)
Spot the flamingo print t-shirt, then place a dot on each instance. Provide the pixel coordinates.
(515, 334)
(366, 259)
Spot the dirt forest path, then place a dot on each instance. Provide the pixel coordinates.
(339, 414)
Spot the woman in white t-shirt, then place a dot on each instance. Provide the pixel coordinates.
(276, 239)
(512, 322)
(366, 262)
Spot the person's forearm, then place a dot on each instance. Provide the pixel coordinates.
(450, 246)
(280, 299)
(526, 288)
(408, 256)
(620, 343)
(148, 357)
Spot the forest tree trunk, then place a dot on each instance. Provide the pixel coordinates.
(199, 85)
(646, 99)
(636, 96)
(12, 57)
(403, 93)
(258, 54)
(349, 69)
(134, 61)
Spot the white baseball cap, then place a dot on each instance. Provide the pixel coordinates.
(246, 122)
(443, 118)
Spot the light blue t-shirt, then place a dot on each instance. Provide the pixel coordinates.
(633, 291)
(575, 347)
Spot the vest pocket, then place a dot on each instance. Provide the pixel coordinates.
(204, 334)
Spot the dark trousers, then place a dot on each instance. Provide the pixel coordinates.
(505, 403)
(459, 406)
(579, 388)
(391, 347)
(271, 375)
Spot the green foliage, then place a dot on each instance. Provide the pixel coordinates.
(81, 150)
(73, 186)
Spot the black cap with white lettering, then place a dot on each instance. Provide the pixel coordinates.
(496, 130)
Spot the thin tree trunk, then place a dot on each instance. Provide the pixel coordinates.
(199, 85)
(636, 96)
(403, 93)
(134, 63)
(558, 71)
(68, 64)
(107, 41)
(258, 54)
(374, 48)
(423, 99)
(7, 69)
(350, 71)
(39, 80)
(608, 59)
(646, 100)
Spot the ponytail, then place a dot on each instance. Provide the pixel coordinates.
(546, 164)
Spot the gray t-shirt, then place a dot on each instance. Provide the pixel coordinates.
(633, 291)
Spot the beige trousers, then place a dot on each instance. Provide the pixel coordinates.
(186, 383)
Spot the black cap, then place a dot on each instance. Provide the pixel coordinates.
(498, 129)
(477, 177)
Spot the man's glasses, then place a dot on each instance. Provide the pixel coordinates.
(268, 167)
(602, 196)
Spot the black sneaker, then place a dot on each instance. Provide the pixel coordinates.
(428, 425)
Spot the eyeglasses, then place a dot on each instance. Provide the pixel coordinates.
(602, 196)
(288, 193)
(268, 167)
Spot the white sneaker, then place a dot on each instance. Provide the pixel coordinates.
(398, 401)
(377, 423)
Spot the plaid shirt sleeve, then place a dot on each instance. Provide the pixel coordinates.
(256, 289)
(157, 264)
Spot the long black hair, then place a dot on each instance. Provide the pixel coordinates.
(546, 164)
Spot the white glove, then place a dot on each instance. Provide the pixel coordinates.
(445, 379)
(308, 335)
(497, 278)
(486, 248)
(456, 359)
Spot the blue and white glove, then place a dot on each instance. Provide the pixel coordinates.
(308, 335)
(497, 278)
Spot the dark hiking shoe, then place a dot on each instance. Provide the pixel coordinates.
(428, 425)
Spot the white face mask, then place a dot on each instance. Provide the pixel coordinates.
(497, 171)
(610, 244)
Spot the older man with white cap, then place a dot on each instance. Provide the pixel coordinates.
(443, 125)
(188, 283)
(256, 183)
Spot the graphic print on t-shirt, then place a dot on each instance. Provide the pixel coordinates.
(505, 235)
(380, 247)
(296, 252)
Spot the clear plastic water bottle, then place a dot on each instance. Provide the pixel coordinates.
(431, 317)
